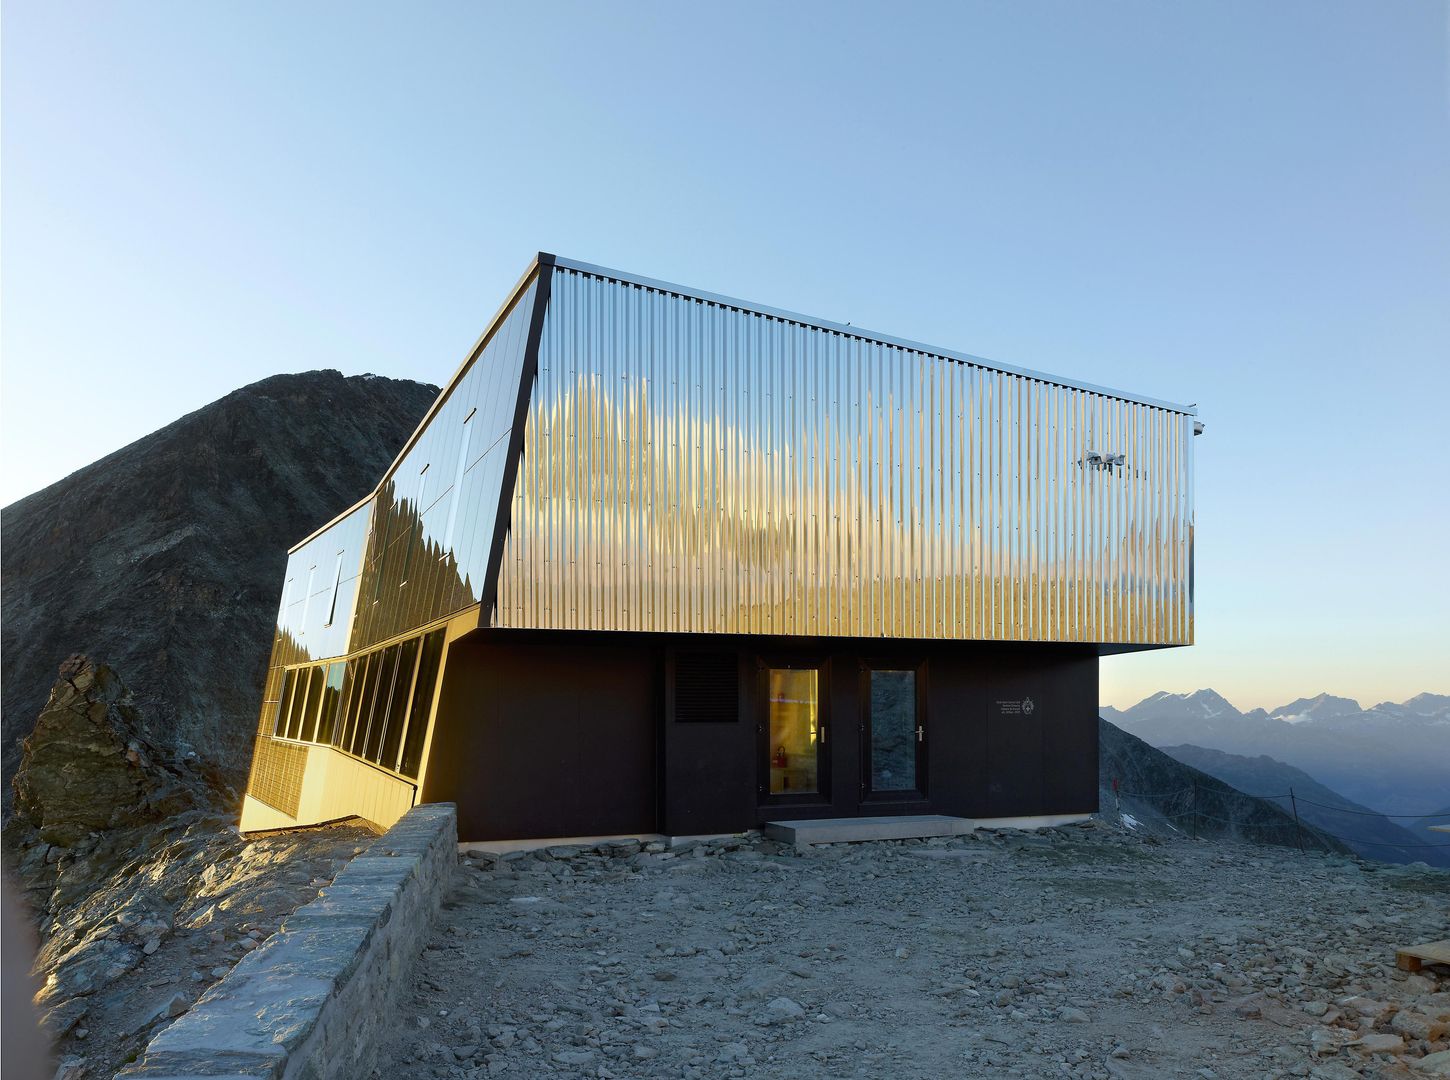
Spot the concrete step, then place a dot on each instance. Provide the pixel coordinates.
(848, 829)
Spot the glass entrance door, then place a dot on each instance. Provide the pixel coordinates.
(794, 732)
(895, 734)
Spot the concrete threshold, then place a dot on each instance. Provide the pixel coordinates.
(502, 847)
(852, 829)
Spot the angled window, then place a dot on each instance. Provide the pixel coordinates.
(429, 655)
(315, 680)
(307, 599)
(336, 586)
(331, 696)
(392, 737)
(284, 700)
(414, 530)
(458, 483)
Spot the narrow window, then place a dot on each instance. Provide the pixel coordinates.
(336, 586)
(457, 485)
(365, 703)
(386, 688)
(307, 599)
(415, 527)
(308, 722)
(431, 653)
(382, 538)
(398, 706)
(279, 722)
(331, 695)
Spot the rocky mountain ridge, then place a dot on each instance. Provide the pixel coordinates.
(166, 557)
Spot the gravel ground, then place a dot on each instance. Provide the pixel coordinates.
(1080, 951)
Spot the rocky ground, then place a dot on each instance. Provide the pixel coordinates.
(141, 889)
(1083, 951)
(141, 948)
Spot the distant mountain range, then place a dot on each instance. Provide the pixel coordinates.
(1368, 833)
(165, 558)
(1393, 758)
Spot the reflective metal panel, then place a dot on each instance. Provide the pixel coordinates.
(433, 520)
(416, 550)
(693, 466)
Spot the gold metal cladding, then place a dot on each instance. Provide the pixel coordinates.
(689, 466)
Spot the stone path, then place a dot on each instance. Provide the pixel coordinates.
(1082, 951)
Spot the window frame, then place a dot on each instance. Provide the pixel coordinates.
(917, 665)
(821, 665)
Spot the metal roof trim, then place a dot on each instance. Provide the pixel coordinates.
(861, 333)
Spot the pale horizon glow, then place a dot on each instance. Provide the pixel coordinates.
(1239, 205)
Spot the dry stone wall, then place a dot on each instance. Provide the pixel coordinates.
(305, 1005)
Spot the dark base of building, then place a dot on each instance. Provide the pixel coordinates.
(568, 734)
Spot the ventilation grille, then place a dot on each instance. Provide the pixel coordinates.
(707, 689)
(277, 771)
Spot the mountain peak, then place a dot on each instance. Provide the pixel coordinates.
(1319, 707)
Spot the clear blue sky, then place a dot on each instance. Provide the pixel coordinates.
(1242, 205)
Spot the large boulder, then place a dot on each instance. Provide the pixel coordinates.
(89, 766)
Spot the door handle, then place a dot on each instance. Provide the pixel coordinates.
(920, 733)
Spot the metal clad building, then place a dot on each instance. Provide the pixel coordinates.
(632, 491)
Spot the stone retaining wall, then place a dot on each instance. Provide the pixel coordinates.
(308, 1004)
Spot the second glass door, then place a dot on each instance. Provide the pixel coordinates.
(895, 735)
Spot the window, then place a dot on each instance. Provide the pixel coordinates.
(386, 685)
(415, 527)
(398, 707)
(284, 701)
(458, 483)
(336, 586)
(331, 698)
(307, 599)
(429, 656)
(367, 706)
(372, 663)
(316, 677)
(794, 731)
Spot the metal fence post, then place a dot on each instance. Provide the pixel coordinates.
(1193, 811)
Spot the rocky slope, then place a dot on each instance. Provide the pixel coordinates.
(1153, 793)
(1390, 757)
(1369, 834)
(166, 557)
(141, 887)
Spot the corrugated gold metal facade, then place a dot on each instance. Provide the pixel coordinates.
(691, 465)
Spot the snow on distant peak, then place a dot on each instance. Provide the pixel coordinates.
(1320, 707)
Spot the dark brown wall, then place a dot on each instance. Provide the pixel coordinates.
(537, 740)
(559, 734)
